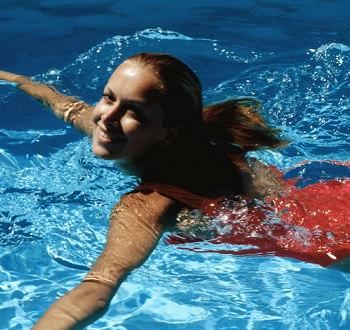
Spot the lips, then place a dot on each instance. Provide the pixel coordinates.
(110, 137)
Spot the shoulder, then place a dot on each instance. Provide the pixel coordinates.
(149, 206)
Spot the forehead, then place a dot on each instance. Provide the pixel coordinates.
(134, 81)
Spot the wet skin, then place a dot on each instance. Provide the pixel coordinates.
(127, 121)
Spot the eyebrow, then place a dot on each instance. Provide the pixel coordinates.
(108, 90)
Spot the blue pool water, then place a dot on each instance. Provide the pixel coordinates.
(55, 196)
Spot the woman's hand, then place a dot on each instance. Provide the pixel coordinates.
(136, 224)
(12, 77)
(68, 108)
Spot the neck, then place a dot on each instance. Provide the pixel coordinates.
(197, 167)
(128, 167)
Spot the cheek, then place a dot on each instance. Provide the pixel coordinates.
(96, 112)
(94, 129)
(131, 127)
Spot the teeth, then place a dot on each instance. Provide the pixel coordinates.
(104, 135)
(107, 136)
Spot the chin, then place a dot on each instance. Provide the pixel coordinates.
(103, 153)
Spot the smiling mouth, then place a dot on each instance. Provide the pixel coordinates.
(107, 137)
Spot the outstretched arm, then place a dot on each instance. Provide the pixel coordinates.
(68, 108)
(136, 225)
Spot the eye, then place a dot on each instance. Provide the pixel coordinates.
(137, 114)
(108, 97)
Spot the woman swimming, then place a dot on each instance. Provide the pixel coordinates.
(151, 121)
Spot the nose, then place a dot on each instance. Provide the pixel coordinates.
(112, 115)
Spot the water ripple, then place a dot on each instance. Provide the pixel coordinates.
(55, 203)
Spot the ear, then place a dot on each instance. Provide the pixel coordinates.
(172, 133)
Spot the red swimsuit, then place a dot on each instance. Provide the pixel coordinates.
(310, 223)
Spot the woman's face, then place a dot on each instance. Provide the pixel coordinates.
(127, 121)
